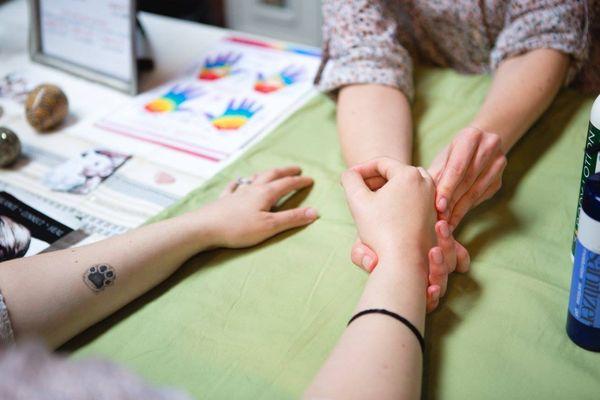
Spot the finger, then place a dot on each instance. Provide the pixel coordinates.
(230, 188)
(488, 150)
(425, 175)
(485, 187)
(437, 166)
(489, 192)
(463, 259)
(363, 257)
(446, 243)
(280, 187)
(288, 219)
(438, 273)
(354, 185)
(375, 183)
(384, 167)
(276, 173)
(433, 297)
(458, 160)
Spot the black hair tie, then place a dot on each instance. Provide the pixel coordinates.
(400, 318)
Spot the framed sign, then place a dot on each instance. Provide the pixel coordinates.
(94, 39)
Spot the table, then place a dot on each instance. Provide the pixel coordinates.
(156, 177)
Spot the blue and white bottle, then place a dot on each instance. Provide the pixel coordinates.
(583, 322)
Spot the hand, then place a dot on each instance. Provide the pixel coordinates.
(444, 258)
(448, 256)
(242, 216)
(467, 172)
(400, 214)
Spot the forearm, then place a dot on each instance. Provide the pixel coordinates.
(522, 89)
(48, 296)
(377, 356)
(374, 121)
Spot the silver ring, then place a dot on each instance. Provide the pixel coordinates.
(244, 181)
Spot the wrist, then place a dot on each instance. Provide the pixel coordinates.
(404, 261)
(199, 229)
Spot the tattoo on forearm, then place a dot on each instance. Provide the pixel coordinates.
(98, 277)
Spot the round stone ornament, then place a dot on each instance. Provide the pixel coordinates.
(10, 147)
(46, 106)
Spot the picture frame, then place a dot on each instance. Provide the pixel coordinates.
(37, 53)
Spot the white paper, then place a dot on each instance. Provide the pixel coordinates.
(95, 34)
(223, 105)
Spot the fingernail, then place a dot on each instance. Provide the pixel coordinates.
(445, 230)
(366, 262)
(437, 256)
(441, 204)
(311, 213)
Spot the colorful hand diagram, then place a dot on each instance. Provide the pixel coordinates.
(234, 116)
(219, 67)
(172, 100)
(286, 77)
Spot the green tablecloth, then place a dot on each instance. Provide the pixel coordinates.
(258, 323)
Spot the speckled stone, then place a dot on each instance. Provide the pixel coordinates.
(46, 106)
(10, 147)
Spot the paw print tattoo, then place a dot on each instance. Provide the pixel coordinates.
(98, 277)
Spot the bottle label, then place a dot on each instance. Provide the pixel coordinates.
(591, 165)
(584, 300)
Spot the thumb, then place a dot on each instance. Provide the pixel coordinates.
(362, 256)
(354, 185)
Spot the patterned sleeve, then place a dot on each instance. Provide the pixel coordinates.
(552, 24)
(361, 45)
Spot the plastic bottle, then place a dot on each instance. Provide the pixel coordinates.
(583, 321)
(591, 159)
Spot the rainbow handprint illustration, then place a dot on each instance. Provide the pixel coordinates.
(174, 98)
(219, 67)
(234, 117)
(286, 77)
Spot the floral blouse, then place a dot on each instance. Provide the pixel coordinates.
(376, 41)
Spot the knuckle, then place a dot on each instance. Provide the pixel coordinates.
(494, 141)
(474, 195)
(265, 189)
(456, 169)
(473, 134)
(270, 222)
(504, 161)
(413, 174)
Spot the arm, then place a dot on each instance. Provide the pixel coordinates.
(378, 357)
(374, 121)
(522, 89)
(469, 170)
(56, 296)
(364, 59)
(539, 48)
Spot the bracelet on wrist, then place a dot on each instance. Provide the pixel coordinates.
(398, 317)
